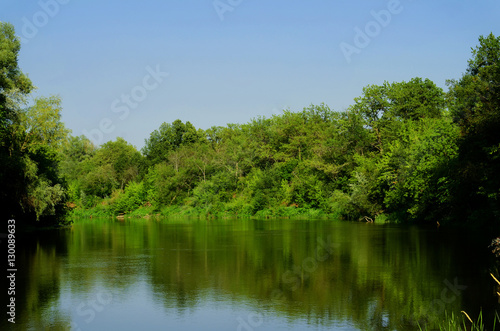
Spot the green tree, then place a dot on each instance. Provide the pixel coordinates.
(475, 105)
(415, 172)
(14, 88)
(41, 125)
(76, 152)
(113, 166)
(41, 136)
(382, 106)
(416, 99)
(388, 166)
(169, 137)
(14, 84)
(31, 137)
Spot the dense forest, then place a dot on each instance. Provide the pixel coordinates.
(403, 151)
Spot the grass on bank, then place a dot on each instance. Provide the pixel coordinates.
(187, 211)
(465, 323)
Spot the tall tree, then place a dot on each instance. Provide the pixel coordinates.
(14, 84)
(382, 106)
(120, 163)
(31, 137)
(169, 137)
(475, 105)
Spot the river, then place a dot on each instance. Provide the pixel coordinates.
(105, 274)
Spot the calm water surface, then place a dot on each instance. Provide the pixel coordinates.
(246, 275)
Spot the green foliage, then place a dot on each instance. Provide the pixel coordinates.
(123, 158)
(475, 104)
(415, 170)
(45, 197)
(416, 99)
(13, 82)
(100, 182)
(93, 174)
(133, 197)
(77, 152)
(31, 138)
(365, 192)
(169, 137)
(40, 124)
(394, 154)
(411, 100)
(403, 148)
(462, 322)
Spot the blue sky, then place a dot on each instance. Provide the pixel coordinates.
(229, 64)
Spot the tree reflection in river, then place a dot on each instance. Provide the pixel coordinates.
(284, 273)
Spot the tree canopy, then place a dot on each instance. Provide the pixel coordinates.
(406, 151)
(31, 136)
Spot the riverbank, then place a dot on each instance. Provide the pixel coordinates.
(208, 213)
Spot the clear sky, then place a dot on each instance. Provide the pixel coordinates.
(229, 61)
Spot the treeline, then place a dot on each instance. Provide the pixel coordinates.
(31, 139)
(358, 164)
(405, 151)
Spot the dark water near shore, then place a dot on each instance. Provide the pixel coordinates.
(246, 275)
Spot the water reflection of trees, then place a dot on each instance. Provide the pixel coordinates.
(37, 282)
(374, 277)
